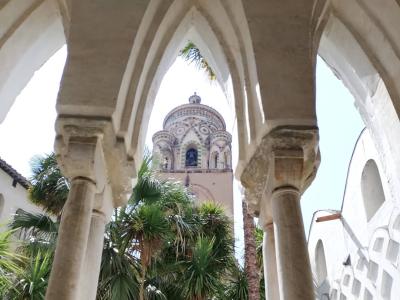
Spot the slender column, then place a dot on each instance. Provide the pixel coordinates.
(294, 272)
(283, 166)
(250, 261)
(270, 269)
(72, 241)
(94, 252)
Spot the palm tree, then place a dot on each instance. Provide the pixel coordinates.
(49, 187)
(238, 285)
(120, 269)
(192, 54)
(201, 272)
(250, 256)
(150, 246)
(38, 232)
(32, 283)
(10, 264)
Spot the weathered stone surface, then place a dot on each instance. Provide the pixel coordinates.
(287, 156)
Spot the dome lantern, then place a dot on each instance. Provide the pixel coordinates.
(194, 99)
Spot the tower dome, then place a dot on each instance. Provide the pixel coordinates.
(194, 99)
(196, 137)
(194, 147)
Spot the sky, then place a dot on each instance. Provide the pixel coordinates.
(28, 129)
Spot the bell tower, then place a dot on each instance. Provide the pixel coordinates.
(195, 148)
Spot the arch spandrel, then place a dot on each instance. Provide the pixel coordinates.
(99, 43)
(187, 29)
(281, 42)
(31, 32)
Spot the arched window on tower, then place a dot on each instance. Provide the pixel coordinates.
(320, 262)
(371, 189)
(227, 160)
(191, 158)
(214, 160)
(166, 163)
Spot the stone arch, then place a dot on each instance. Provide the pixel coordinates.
(202, 192)
(227, 158)
(371, 189)
(167, 159)
(320, 262)
(214, 160)
(32, 31)
(191, 157)
(184, 150)
(198, 26)
(361, 46)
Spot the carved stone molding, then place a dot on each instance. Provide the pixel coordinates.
(286, 156)
(89, 148)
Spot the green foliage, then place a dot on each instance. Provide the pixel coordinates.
(259, 236)
(201, 276)
(10, 264)
(160, 246)
(191, 53)
(32, 283)
(49, 187)
(237, 286)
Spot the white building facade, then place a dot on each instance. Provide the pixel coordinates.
(13, 194)
(354, 253)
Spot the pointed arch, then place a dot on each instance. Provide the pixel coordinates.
(371, 189)
(187, 23)
(320, 262)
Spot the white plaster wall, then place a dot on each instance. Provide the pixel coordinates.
(14, 198)
(373, 247)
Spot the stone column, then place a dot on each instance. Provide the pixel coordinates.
(94, 251)
(282, 167)
(269, 260)
(250, 249)
(294, 271)
(82, 160)
(72, 240)
(101, 215)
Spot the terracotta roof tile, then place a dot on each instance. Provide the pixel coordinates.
(14, 174)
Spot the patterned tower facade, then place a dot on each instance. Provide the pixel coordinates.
(195, 148)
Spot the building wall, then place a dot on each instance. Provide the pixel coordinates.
(208, 186)
(201, 128)
(361, 249)
(13, 198)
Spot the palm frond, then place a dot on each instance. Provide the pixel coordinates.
(201, 276)
(237, 287)
(49, 187)
(10, 264)
(192, 54)
(32, 283)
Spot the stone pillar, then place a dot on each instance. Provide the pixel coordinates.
(250, 249)
(294, 271)
(72, 240)
(101, 215)
(269, 260)
(94, 251)
(82, 160)
(282, 167)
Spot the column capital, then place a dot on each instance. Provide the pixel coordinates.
(89, 148)
(287, 156)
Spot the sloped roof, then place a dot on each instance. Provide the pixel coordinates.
(14, 174)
